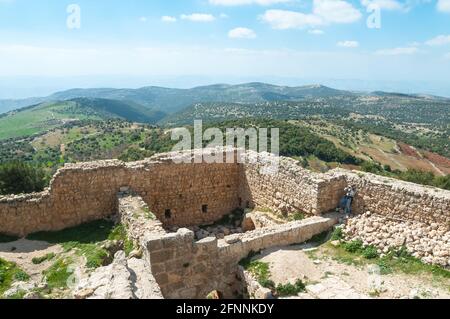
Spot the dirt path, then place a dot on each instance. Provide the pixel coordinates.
(329, 278)
(22, 252)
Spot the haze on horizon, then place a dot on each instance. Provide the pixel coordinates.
(183, 44)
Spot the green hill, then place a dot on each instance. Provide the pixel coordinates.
(170, 100)
(42, 117)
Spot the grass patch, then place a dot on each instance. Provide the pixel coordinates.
(119, 232)
(396, 260)
(84, 239)
(148, 214)
(58, 274)
(260, 270)
(354, 246)
(9, 272)
(88, 233)
(337, 234)
(245, 262)
(40, 260)
(290, 289)
(7, 238)
(401, 260)
(298, 216)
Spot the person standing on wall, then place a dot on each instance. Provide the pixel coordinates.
(350, 193)
(345, 205)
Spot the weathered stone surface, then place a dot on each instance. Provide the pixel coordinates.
(156, 196)
(431, 243)
(110, 282)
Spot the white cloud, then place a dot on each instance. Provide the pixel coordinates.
(242, 33)
(316, 32)
(198, 17)
(168, 19)
(439, 40)
(230, 3)
(443, 5)
(142, 19)
(282, 19)
(348, 44)
(390, 5)
(325, 12)
(336, 11)
(398, 51)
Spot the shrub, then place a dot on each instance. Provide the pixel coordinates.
(40, 260)
(353, 246)
(58, 274)
(337, 234)
(370, 252)
(18, 177)
(290, 289)
(298, 216)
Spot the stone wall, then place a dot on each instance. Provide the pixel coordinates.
(398, 199)
(200, 193)
(288, 189)
(178, 194)
(184, 268)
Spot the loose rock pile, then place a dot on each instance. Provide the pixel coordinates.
(430, 243)
(219, 231)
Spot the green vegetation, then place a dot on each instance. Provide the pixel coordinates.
(411, 175)
(401, 260)
(290, 289)
(357, 247)
(58, 274)
(88, 233)
(9, 273)
(298, 216)
(40, 260)
(18, 178)
(396, 260)
(85, 240)
(262, 273)
(260, 270)
(337, 234)
(119, 232)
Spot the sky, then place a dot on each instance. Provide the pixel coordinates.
(47, 45)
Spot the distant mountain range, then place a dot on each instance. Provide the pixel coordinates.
(220, 102)
(169, 100)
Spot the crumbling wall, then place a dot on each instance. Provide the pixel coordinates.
(398, 199)
(187, 269)
(178, 194)
(282, 186)
(199, 193)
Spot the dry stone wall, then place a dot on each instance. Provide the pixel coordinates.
(288, 188)
(178, 194)
(184, 268)
(201, 193)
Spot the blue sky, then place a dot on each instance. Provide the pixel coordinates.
(223, 41)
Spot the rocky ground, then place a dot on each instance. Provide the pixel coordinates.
(430, 243)
(122, 279)
(327, 277)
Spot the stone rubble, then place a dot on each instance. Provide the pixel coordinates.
(123, 279)
(430, 243)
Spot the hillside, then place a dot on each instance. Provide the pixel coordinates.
(45, 116)
(172, 100)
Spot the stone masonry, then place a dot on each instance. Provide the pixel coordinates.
(200, 193)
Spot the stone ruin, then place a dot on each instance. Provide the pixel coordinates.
(162, 204)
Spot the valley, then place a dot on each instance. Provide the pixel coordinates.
(397, 135)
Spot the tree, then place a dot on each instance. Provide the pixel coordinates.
(18, 177)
